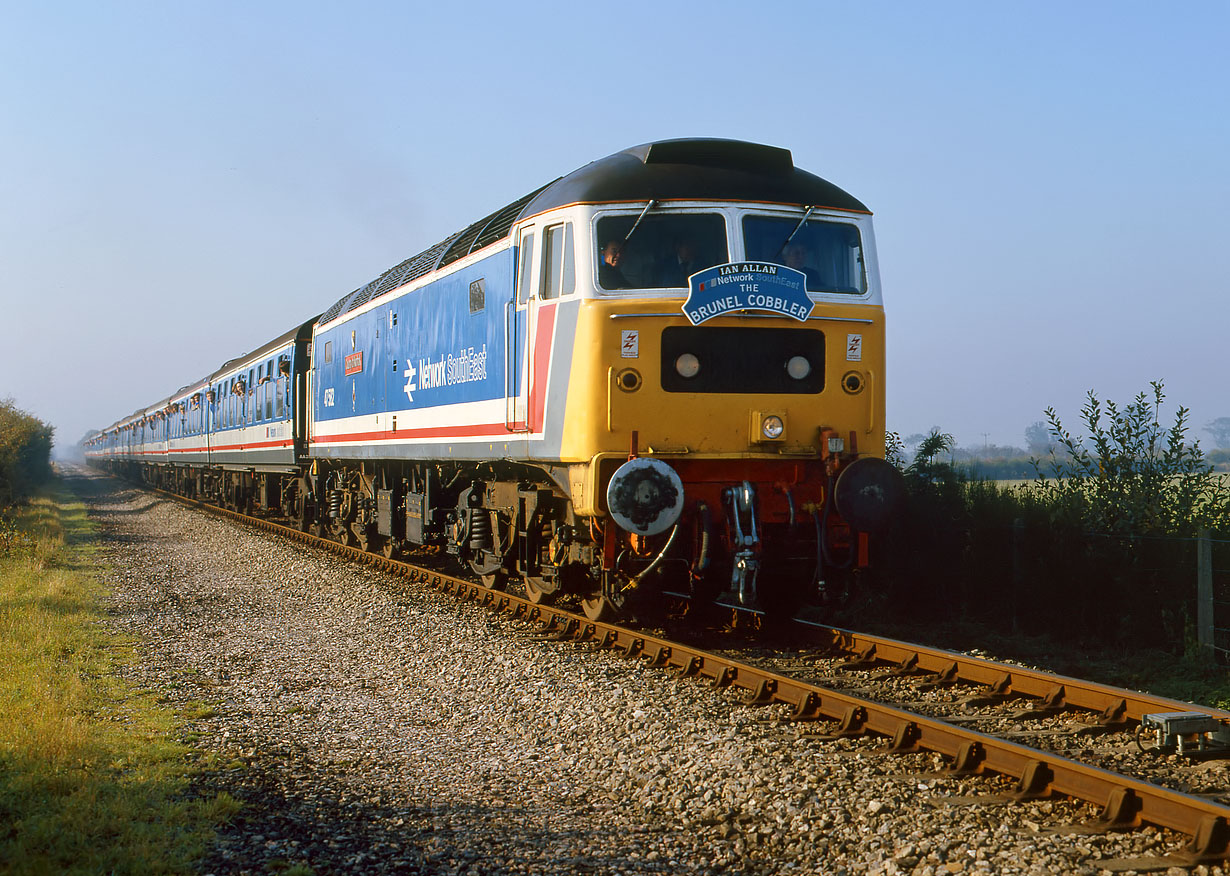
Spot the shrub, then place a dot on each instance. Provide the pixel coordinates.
(1098, 547)
(25, 453)
(1131, 476)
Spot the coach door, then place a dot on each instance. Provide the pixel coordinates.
(517, 325)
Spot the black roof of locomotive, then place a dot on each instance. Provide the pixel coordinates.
(694, 170)
(691, 170)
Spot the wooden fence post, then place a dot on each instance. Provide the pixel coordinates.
(1204, 592)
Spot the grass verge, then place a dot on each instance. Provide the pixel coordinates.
(92, 777)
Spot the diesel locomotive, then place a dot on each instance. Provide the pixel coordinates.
(662, 373)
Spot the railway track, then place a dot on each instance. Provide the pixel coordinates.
(840, 686)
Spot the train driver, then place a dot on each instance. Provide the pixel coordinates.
(609, 274)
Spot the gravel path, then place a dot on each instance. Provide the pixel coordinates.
(370, 726)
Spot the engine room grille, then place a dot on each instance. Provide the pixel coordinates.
(484, 232)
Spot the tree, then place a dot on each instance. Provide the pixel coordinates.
(1038, 438)
(1220, 430)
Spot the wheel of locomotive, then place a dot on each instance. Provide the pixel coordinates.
(388, 549)
(539, 590)
(599, 608)
(493, 576)
(362, 538)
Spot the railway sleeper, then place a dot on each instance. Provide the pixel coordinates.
(864, 659)
(853, 722)
(946, 677)
(998, 692)
(1054, 703)
(1035, 782)
(907, 666)
(1211, 842)
(764, 694)
(808, 708)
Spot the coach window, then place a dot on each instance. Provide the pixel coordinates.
(559, 276)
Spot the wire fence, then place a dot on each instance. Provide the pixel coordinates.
(1213, 592)
(1202, 560)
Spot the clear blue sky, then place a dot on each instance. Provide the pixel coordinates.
(180, 182)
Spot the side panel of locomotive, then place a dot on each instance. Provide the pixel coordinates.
(419, 373)
(452, 368)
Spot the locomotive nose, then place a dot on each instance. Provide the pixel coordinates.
(645, 496)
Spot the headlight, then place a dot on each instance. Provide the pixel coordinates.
(798, 367)
(772, 426)
(837, 445)
(687, 365)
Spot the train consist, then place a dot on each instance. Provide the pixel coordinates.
(660, 374)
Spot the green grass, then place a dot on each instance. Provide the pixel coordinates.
(92, 776)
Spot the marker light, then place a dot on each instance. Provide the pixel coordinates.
(772, 426)
(798, 367)
(687, 365)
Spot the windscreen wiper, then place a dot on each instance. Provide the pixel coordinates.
(786, 242)
(648, 207)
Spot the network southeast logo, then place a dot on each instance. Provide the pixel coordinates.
(467, 365)
(747, 286)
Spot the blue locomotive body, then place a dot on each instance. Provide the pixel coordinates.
(419, 370)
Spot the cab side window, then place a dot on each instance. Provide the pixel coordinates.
(559, 277)
(525, 274)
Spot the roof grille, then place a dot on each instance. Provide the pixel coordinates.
(484, 232)
(332, 313)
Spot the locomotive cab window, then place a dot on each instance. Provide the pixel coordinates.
(525, 274)
(829, 253)
(559, 278)
(661, 252)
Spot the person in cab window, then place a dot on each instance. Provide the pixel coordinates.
(609, 274)
(795, 256)
(683, 264)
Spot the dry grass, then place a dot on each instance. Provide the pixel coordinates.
(92, 779)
